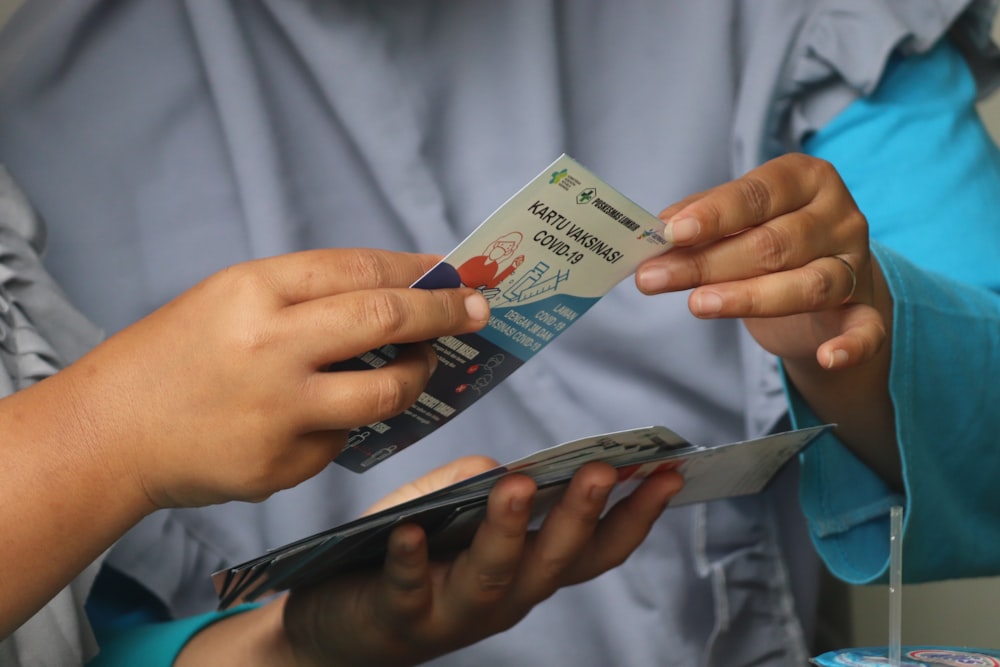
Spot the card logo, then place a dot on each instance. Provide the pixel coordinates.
(564, 179)
(652, 236)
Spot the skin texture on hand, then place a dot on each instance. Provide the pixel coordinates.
(219, 395)
(786, 249)
(224, 395)
(413, 608)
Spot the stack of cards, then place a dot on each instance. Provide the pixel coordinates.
(451, 515)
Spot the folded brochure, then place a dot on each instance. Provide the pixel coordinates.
(451, 515)
(543, 258)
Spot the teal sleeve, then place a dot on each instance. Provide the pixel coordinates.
(134, 628)
(153, 644)
(923, 170)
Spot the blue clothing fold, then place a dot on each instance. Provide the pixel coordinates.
(941, 213)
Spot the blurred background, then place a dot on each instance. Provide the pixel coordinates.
(957, 613)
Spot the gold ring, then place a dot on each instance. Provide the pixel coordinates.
(854, 278)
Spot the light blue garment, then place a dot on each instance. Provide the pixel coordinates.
(945, 377)
(154, 644)
(164, 139)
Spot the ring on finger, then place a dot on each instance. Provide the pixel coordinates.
(854, 278)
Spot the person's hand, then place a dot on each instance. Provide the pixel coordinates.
(221, 394)
(786, 249)
(446, 475)
(414, 608)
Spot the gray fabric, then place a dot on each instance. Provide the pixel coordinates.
(164, 139)
(58, 635)
(39, 333)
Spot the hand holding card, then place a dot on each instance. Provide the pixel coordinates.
(451, 516)
(385, 615)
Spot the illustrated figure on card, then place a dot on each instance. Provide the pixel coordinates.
(483, 272)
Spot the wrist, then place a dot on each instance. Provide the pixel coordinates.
(303, 635)
(104, 429)
(82, 429)
(254, 637)
(65, 496)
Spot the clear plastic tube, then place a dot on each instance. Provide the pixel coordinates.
(895, 583)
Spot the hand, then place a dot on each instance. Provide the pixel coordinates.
(415, 609)
(448, 474)
(220, 394)
(786, 249)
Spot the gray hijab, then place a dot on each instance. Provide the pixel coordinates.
(39, 333)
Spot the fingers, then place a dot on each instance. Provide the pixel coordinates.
(853, 278)
(779, 217)
(786, 242)
(566, 531)
(485, 572)
(349, 399)
(823, 283)
(786, 249)
(624, 527)
(773, 189)
(446, 475)
(404, 589)
(346, 325)
(313, 274)
(409, 595)
(863, 334)
(504, 572)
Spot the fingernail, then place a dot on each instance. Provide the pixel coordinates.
(837, 358)
(676, 483)
(707, 303)
(683, 230)
(652, 279)
(476, 307)
(432, 361)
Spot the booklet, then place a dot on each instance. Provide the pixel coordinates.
(450, 515)
(542, 259)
